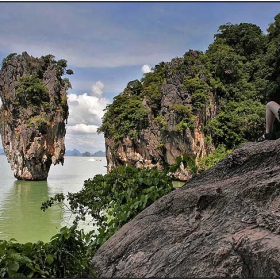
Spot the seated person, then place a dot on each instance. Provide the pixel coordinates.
(272, 112)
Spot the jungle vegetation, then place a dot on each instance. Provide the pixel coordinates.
(240, 69)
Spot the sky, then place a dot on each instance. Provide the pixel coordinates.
(108, 44)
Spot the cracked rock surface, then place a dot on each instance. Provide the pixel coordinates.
(224, 223)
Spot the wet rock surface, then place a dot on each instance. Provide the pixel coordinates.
(33, 114)
(224, 223)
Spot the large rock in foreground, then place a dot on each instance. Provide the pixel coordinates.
(33, 114)
(221, 224)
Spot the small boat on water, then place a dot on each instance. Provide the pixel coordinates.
(93, 159)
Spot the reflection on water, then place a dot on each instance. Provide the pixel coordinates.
(20, 201)
(21, 208)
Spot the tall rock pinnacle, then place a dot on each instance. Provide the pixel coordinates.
(33, 114)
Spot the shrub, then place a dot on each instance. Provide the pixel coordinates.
(30, 91)
(67, 255)
(213, 158)
(115, 198)
(7, 58)
(188, 161)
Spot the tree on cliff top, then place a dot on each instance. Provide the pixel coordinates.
(240, 68)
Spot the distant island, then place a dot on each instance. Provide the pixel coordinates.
(77, 153)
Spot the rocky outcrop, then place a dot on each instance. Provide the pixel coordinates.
(163, 140)
(33, 114)
(224, 223)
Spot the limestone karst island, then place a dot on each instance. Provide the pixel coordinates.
(33, 113)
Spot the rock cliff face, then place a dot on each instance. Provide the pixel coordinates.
(33, 114)
(224, 223)
(162, 141)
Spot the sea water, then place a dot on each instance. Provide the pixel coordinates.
(20, 201)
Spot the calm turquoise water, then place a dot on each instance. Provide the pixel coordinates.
(20, 201)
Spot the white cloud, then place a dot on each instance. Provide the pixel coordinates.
(97, 89)
(146, 69)
(82, 128)
(86, 109)
(85, 114)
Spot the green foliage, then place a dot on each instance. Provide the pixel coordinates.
(161, 122)
(237, 122)
(246, 39)
(124, 117)
(8, 57)
(59, 65)
(181, 126)
(115, 198)
(69, 72)
(240, 69)
(182, 111)
(212, 159)
(133, 88)
(61, 68)
(66, 83)
(151, 89)
(199, 100)
(193, 84)
(274, 27)
(31, 92)
(245, 67)
(41, 122)
(270, 66)
(226, 63)
(184, 117)
(48, 59)
(188, 161)
(67, 255)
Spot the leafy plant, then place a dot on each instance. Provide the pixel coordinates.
(213, 158)
(31, 92)
(125, 116)
(184, 116)
(161, 122)
(188, 161)
(67, 255)
(8, 57)
(115, 198)
(236, 123)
